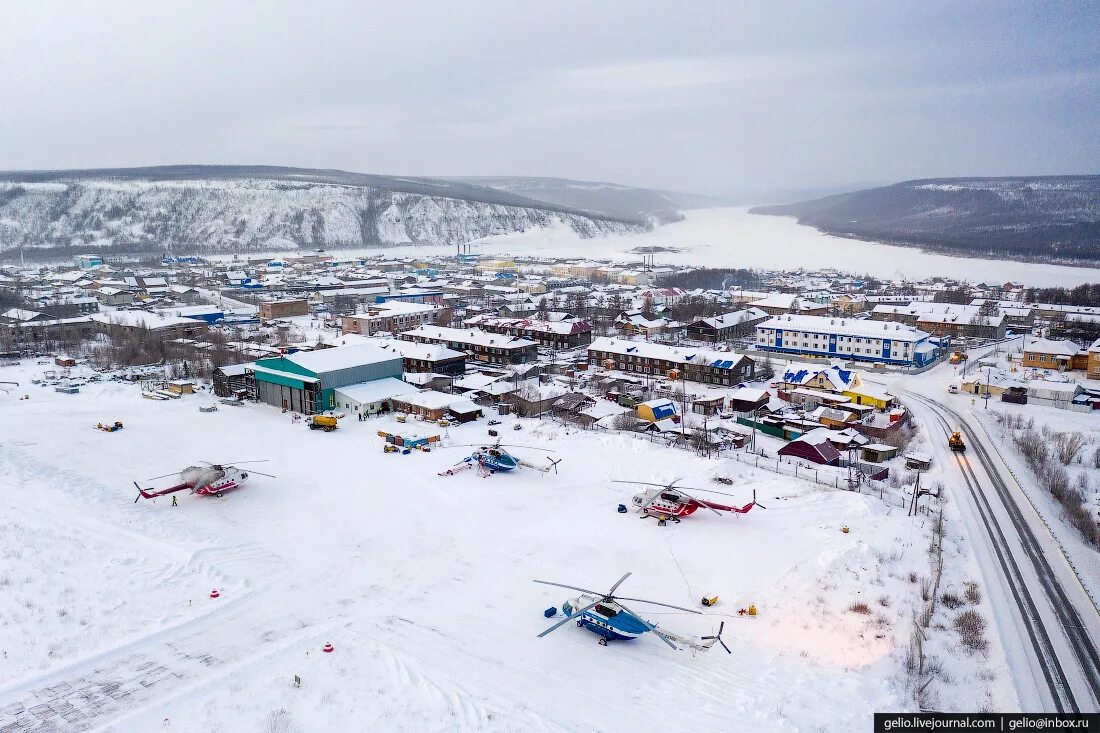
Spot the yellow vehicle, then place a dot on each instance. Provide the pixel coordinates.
(958, 356)
(109, 427)
(323, 422)
(955, 442)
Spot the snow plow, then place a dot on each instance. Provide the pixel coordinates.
(955, 442)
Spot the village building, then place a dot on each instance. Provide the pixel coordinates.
(564, 334)
(1049, 354)
(426, 357)
(289, 308)
(814, 446)
(121, 323)
(861, 340)
(373, 397)
(493, 348)
(391, 316)
(775, 304)
(697, 365)
(726, 326)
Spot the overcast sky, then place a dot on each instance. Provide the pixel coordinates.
(711, 96)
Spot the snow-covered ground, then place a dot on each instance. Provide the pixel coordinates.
(423, 583)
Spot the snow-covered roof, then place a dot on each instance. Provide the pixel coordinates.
(429, 399)
(475, 381)
(845, 327)
(416, 350)
(341, 357)
(141, 319)
(472, 336)
(1047, 346)
(679, 354)
(20, 314)
(727, 320)
(376, 390)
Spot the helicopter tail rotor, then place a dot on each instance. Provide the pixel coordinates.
(717, 638)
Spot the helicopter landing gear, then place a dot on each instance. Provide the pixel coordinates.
(219, 494)
(603, 641)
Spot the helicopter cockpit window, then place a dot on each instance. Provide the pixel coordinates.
(605, 611)
(670, 497)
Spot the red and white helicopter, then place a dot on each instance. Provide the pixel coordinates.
(210, 479)
(669, 502)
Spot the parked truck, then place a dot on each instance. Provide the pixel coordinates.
(328, 423)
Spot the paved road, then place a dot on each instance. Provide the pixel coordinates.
(1056, 664)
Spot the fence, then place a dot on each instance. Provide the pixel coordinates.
(820, 476)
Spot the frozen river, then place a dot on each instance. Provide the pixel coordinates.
(735, 238)
(732, 237)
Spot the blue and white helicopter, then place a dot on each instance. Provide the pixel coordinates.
(490, 459)
(605, 615)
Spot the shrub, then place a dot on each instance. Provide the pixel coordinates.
(860, 607)
(972, 592)
(950, 600)
(1068, 446)
(970, 626)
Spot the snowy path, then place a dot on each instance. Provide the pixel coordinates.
(1047, 621)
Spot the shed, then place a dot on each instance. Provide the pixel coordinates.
(748, 399)
(180, 386)
(921, 461)
(656, 410)
(878, 452)
(814, 446)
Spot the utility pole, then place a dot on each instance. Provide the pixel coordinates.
(987, 388)
(916, 490)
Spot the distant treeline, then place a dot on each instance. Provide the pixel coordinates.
(712, 278)
(1086, 294)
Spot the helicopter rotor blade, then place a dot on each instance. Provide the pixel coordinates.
(611, 593)
(261, 473)
(174, 473)
(701, 503)
(655, 603)
(567, 619)
(571, 587)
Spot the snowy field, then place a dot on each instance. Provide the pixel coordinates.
(423, 583)
(732, 237)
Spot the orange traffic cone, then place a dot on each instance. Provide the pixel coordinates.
(327, 648)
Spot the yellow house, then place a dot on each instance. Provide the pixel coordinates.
(880, 399)
(1093, 369)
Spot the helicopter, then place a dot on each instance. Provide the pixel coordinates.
(672, 502)
(605, 615)
(205, 480)
(493, 458)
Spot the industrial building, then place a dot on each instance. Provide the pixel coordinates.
(306, 382)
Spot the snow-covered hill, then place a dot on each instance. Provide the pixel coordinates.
(609, 199)
(1031, 217)
(230, 209)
